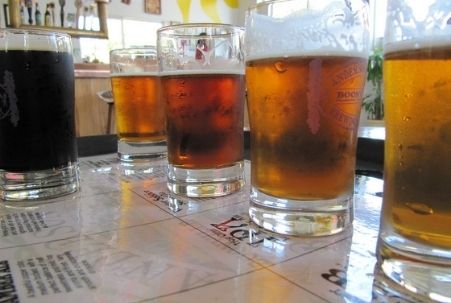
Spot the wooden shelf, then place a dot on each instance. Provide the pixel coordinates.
(102, 9)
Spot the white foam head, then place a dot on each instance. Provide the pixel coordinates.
(333, 30)
(134, 66)
(134, 61)
(203, 72)
(200, 48)
(212, 66)
(136, 74)
(417, 25)
(418, 43)
(19, 39)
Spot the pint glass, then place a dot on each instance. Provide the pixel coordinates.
(38, 152)
(305, 73)
(202, 74)
(140, 116)
(415, 236)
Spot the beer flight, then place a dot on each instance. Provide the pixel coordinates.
(301, 66)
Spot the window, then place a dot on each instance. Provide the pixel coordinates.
(140, 33)
(378, 11)
(122, 33)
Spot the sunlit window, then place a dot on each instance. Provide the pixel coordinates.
(140, 33)
(378, 9)
(121, 33)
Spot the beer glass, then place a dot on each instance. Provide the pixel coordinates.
(415, 236)
(305, 73)
(202, 74)
(140, 116)
(38, 152)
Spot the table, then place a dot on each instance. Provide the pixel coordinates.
(123, 239)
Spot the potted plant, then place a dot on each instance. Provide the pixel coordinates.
(373, 102)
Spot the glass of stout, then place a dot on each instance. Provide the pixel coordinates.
(38, 152)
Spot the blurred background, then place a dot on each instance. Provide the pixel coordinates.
(133, 23)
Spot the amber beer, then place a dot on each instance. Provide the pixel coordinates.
(304, 114)
(140, 114)
(205, 119)
(417, 193)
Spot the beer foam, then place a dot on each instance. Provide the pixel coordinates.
(135, 74)
(333, 31)
(28, 40)
(423, 26)
(325, 52)
(202, 72)
(418, 43)
(208, 65)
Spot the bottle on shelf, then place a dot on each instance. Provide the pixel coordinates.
(52, 12)
(85, 18)
(62, 4)
(95, 25)
(37, 15)
(78, 5)
(23, 19)
(47, 16)
(29, 5)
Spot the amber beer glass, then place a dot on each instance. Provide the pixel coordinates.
(305, 73)
(140, 115)
(38, 150)
(415, 237)
(202, 72)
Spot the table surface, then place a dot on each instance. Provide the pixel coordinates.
(120, 239)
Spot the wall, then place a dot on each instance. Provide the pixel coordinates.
(223, 11)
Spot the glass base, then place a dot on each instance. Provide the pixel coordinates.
(423, 273)
(141, 151)
(213, 182)
(385, 290)
(39, 185)
(300, 217)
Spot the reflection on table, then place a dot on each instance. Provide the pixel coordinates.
(123, 238)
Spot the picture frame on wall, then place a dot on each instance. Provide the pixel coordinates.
(152, 7)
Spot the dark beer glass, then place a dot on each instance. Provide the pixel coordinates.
(305, 74)
(38, 152)
(202, 74)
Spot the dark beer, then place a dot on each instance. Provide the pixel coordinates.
(417, 173)
(37, 125)
(204, 119)
(304, 114)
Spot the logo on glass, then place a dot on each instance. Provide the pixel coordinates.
(8, 99)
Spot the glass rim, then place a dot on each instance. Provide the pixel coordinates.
(36, 32)
(168, 28)
(133, 50)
